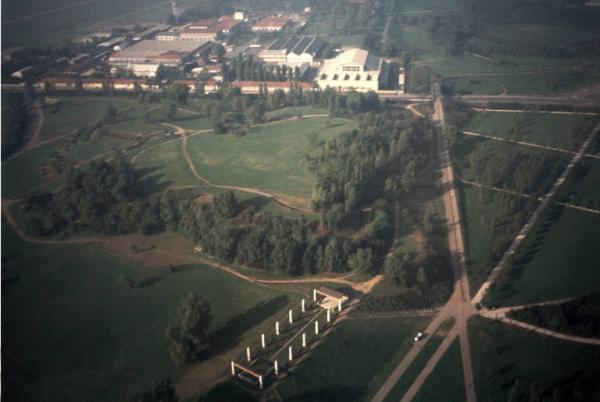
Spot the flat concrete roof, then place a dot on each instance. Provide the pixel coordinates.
(154, 48)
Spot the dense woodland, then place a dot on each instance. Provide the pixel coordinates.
(580, 316)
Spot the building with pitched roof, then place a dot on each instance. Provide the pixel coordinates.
(292, 51)
(354, 69)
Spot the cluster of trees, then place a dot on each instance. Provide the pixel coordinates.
(162, 391)
(269, 242)
(581, 387)
(103, 197)
(188, 337)
(347, 166)
(248, 69)
(580, 316)
(344, 18)
(14, 122)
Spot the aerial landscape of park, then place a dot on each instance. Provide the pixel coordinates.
(300, 200)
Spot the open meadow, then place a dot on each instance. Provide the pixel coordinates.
(352, 362)
(502, 355)
(270, 157)
(87, 331)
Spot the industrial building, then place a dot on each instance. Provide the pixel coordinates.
(292, 51)
(169, 53)
(354, 69)
(210, 29)
(270, 24)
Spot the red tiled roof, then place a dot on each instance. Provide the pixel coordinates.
(271, 84)
(271, 22)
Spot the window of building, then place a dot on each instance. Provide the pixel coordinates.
(335, 77)
(346, 77)
(357, 78)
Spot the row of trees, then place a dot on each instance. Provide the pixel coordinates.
(248, 69)
(580, 316)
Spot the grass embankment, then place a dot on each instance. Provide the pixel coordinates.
(502, 354)
(352, 362)
(74, 330)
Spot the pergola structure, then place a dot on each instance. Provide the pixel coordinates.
(331, 300)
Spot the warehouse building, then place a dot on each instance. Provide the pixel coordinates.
(292, 51)
(354, 69)
(169, 53)
(271, 24)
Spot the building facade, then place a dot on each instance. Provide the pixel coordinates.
(354, 69)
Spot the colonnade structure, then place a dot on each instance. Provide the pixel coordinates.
(289, 339)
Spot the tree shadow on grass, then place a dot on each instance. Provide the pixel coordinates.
(257, 202)
(229, 335)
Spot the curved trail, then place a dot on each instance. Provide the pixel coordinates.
(278, 198)
(367, 285)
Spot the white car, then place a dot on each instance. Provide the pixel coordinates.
(419, 336)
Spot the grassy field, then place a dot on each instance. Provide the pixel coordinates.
(559, 131)
(490, 226)
(417, 365)
(333, 374)
(559, 260)
(34, 24)
(502, 354)
(270, 157)
(72, 330)
(69, 114)
(446, 382)
(472, 85)
(582, 186)
(296, 110)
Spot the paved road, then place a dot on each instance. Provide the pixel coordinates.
(533, 219)
(458, 306)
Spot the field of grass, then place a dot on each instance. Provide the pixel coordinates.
(417, 365)
(352, 362)
(72, 330)
(270, 157)
(582, 186)
(446, 382)
(560, 131)
(296, 110)
(502, 354)
(472, 85)
(559, 260)
(547, 83)
(34, 24)
(490, 225)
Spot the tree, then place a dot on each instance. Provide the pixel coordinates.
(361, 261)
(178, 93)
(395, 270)
(226, 205)
(163, 391)
(170, 110)
(188, 337)
(110, 114)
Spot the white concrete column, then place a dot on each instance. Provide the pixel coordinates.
(232, 368)
(316, 327)
(303, 340)
(315, 295)
(291, 318)
(328, 315)
(277, 328)
(303, 305)
(339, 304)
(248, 353)
(262, 340)
(260, 381)
(276, 366)
(290, 357)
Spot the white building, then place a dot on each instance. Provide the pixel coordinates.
(353, 69)
(292, 51)
(146, 70)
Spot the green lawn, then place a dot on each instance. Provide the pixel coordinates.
(72, 330)
(446, 382)
(560, 131)
(352, 362)
(271, 157)
(560, 260)
(502, 354)
(547, 83)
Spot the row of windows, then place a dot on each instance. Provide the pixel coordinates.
(351, 68)
(346, 77)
